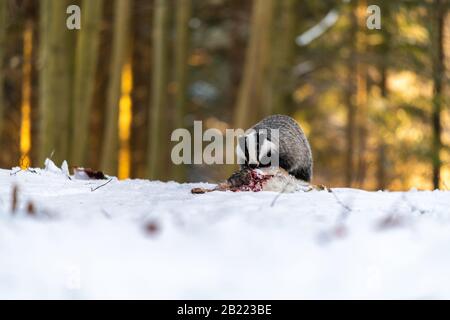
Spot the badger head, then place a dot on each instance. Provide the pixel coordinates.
(257, 149)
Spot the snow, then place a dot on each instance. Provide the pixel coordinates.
(146, 240)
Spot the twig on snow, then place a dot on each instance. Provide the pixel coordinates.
(15, 172)
(101, 186)
(346, 209)
(340, 202)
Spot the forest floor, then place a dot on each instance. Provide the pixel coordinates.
(141, 239)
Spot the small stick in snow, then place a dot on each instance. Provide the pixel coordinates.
(15, 199)
(15, 172)
(101, 186)
(347, 210)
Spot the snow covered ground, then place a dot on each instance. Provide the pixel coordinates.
(142, 239)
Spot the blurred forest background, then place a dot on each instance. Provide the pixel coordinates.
(374, 103)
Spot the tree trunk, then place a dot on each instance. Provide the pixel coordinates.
(349, 101)
(55, 81)
(46, 114)
(361, 92)
(3, 25)
(255, 83)
(85, 74)
(119, 53)
(383, 56)
(25, 125)
(283, 49)
(157, 131)
(264, 83)
(181, 68)
(381, 170)
(440, 9)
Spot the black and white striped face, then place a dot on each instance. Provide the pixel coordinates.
(255, 150)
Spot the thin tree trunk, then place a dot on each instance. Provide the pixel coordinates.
(381, 172)
(181, 66)
(25, 123)
(62, 54)
(438, 73)
(361, 93)
(56, 80)
(383, 64)
(86, 58)
(46, 114)
(119, 52)
(3, 25)
(142, 60)
(255, 83)
(157, 147)
(283, 49)
(241, 114)
(264, 83)
(349, 101)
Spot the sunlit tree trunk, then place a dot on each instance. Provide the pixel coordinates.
(25, 123)
(86, 57)
(183, 15)
(255, 83)
(56, 55)
(119, 55)
(3, 25)
(157, 131)
(440, 8)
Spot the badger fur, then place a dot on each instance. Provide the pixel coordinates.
(293, 149)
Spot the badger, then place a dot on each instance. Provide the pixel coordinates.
(289, 146)
(276, 137)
